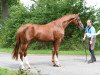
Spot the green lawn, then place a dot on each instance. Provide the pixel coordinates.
(61, 52)
(4, 71)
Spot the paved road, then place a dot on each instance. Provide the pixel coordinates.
(70, 65)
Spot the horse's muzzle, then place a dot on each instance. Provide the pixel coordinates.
(83, 29)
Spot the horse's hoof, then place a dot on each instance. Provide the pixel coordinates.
(55, 65)
(21, 69)
(58, 66)
(29, 68)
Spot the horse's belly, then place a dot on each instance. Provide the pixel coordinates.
(44, 37)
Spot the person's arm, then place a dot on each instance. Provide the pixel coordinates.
(98, 32)
(92, 35)
(91, 40)
(84, 36)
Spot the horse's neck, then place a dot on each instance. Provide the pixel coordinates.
(66, 23)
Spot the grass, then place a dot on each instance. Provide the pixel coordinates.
(49, 52)
(5, 71)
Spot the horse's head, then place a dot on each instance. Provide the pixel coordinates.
(78, 22)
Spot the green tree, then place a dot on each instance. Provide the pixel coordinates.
(42, 12)
(5, 5)
(4, 8)
(10, 26)
(0, 9)
(97, 26)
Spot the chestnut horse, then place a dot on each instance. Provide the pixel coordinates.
(51, 32)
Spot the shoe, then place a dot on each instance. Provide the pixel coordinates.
(93, 59)
(90, 61)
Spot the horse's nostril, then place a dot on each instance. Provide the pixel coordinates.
(82, 28)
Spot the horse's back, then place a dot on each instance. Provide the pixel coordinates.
(36, 32)
(23, 27)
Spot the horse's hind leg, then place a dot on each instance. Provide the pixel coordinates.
(23, 48)
(25, 56)
(21, 56)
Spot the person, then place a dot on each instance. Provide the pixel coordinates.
(89, 34)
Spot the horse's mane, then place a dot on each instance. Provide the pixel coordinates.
(65, 16)
(61, 18)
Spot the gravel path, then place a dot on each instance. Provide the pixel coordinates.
(41, 65)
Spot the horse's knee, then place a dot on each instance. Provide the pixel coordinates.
(53, 50)
(57, 51)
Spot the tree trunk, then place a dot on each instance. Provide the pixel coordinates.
(4, 8)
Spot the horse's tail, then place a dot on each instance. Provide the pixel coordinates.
(16, 49)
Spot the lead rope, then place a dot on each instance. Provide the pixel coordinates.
(83, 42)
(84, 46)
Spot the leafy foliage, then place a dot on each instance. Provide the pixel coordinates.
(0, 9)
(42, 12)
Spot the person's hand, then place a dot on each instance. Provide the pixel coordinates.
(91, 42)
(98, 32)
(83, 39)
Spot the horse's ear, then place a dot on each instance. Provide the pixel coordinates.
(77, 15)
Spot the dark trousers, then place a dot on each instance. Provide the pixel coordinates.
(91, 49)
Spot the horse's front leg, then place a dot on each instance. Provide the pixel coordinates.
(22, 64)
(53, 54)
(56, 60)
(56, 51)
